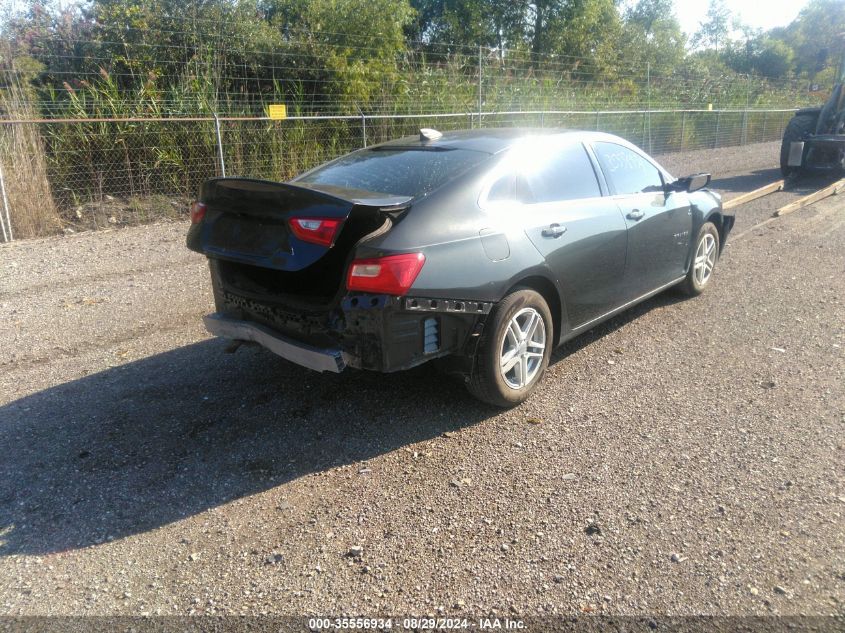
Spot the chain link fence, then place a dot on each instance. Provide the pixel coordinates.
(67, 174)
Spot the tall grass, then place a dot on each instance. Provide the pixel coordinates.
(28, 190)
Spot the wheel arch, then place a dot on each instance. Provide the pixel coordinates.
(547, 289)
(718, 219)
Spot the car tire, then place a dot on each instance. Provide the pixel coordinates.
(798, 126)
(513, 318)
(705, 254)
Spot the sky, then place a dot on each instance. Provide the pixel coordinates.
(764, 14)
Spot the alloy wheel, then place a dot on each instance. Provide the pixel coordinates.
(705, 259)
(522, 349)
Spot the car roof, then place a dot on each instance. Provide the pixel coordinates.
(495, 140)
(489, 140)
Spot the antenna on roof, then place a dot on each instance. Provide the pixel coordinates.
(429, 134)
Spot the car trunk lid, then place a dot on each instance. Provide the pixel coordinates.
(248, 221)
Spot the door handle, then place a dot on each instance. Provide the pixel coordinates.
(554, 230)
(636, 214)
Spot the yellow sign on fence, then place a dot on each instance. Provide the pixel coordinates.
(278, 111)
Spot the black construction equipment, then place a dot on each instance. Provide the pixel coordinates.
(814, 139)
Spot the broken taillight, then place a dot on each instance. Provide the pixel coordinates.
(391, 275)
(322, 231)
(197, 212)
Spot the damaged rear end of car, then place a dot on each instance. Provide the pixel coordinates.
(294, 269)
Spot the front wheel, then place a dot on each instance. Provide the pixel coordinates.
(704, 260)
(514, 351)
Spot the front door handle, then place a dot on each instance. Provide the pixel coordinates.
(636, 214)
(554, 230)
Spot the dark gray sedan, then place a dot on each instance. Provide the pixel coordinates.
(483, 248)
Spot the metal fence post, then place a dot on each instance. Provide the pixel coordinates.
(683, 129)
(597, 119)
(363, 126)
(219, 146)
(479, 85)
(716, 136)
(765, 120)
(648, 103)
(645, 118)
(5, 223)
(743, 138)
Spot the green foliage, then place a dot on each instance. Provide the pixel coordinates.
(809, 47)
(715, 30)
(816, 36)
(762, 55)
(451, 25)
(652, 36)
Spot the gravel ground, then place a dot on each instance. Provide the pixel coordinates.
(684, 458)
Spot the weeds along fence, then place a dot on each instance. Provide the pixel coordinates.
(90, 173)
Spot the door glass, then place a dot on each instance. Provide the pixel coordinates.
(504, 189)
(510, 188)
(627, 171)
(567, 175)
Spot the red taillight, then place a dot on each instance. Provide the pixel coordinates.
(391, 275)
(322, 231)
(197, 212)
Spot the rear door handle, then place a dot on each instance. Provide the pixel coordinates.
(554, 230)
(636, 214)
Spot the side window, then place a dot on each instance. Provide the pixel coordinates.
(567, 175)
(504, 189)
(510, 188)
(627, 171)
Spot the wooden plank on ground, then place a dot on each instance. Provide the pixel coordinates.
(753, 195)
(821, 194)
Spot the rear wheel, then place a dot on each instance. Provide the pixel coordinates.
(796, 129)
(514, 351)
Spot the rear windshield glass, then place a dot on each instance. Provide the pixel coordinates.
(400, 172)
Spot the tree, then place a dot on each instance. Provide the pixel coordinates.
(457, 24)
(774, 58)
(815, 36)
(573, 28)
(759, 54)
(652, 36)
(570, 28)
(713, 32)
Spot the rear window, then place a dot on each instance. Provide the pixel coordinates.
(400, 172)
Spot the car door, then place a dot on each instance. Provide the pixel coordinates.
(580, 232)
(658, 222)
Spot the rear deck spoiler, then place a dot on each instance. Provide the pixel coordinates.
(225, 188)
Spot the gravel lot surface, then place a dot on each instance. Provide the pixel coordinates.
(687, 457)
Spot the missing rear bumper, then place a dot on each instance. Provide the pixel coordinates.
(333, 360)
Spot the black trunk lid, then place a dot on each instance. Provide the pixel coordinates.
(247, 221)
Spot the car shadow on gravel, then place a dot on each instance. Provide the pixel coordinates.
(144, 444)
(664, 299)
(141, 445)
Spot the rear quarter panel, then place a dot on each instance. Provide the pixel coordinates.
(446, 226)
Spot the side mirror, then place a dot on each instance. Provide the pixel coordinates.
(690, 183)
